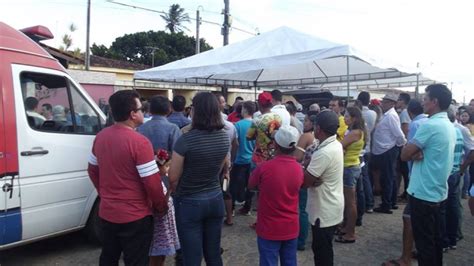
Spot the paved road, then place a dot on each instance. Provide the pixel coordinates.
(379, 239)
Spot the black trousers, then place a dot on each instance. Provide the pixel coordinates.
(322, 244)
(404, 171)
(133, 239)
(426, 225)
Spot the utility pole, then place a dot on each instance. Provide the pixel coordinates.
(153, 49)
(225, 32)
(88, 55)
(198, 23)
(226, 25)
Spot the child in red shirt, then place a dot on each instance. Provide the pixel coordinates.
(279, 181)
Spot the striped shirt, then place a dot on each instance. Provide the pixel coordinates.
(204, 152)
(458, 151)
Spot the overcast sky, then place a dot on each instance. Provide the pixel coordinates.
(437, 34)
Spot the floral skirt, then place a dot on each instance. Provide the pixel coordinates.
(165, 235)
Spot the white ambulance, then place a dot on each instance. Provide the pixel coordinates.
(47, 127)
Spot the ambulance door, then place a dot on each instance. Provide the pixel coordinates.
(56, 128)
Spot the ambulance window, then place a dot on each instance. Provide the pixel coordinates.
(88, 120)
(48, 105)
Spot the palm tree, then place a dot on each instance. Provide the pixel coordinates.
(174, 18)
(67, 38)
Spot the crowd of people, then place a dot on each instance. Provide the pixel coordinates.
(169, 181)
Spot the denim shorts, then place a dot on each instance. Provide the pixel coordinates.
(351, 174)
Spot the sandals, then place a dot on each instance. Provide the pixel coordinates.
(342, 240)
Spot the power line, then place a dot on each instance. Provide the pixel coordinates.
(163, 12)
(137, 7)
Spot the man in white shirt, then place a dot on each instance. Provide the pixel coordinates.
(365, 197)
(280, 109)
(387, 139)
(323, 177)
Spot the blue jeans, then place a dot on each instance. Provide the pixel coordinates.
(270, 250)
(450, 212)
(360, 196)
(367, 184)
(303, 215)
(199, 221)
(239, 176)
(387, 163)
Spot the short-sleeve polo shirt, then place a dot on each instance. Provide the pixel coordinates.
(326, 202)
(436, 138)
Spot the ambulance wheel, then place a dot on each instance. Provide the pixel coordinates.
(93, 229)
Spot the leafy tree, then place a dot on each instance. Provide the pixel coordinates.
(174, 19)
(139, 47)
(100, 50)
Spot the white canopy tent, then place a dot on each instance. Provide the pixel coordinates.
(285, 58)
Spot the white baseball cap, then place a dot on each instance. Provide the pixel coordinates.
(287, 136)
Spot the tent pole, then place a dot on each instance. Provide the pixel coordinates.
(255, 90)
(348, 83)
(417, 93)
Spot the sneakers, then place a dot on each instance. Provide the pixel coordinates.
(369, 211)
(394, 207)
(453, 247)
(382, 210)
(239, 203)
(244, 211)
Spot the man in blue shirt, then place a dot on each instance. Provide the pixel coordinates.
(158, 130)
(241, 168)
(432, 150)
(177, 117)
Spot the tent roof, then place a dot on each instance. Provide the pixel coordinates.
(280, 58)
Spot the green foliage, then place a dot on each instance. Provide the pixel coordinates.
(138, 47)
(67, 38)
(100, 50)
(67, 42)
(174, 19)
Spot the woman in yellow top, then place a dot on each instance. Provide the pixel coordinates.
(353, 143)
